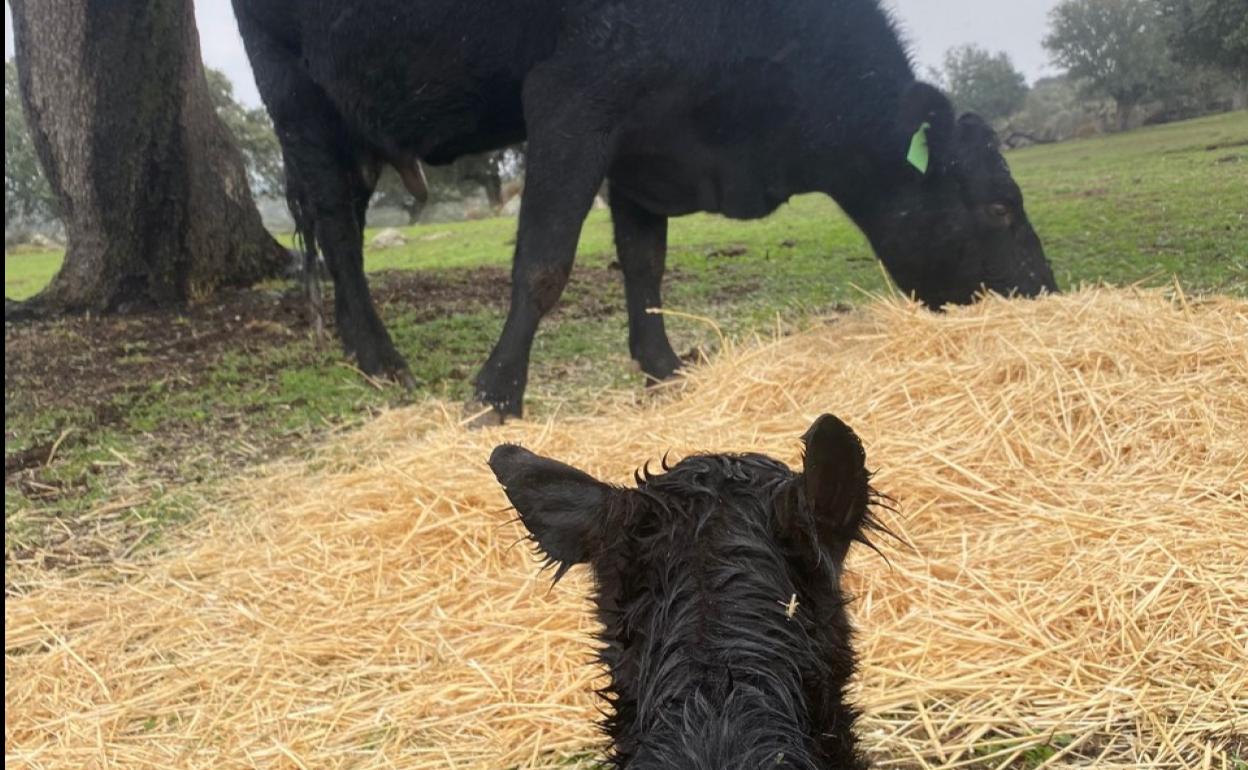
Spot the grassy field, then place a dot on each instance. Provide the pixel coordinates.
(28, 269)
(140, 427)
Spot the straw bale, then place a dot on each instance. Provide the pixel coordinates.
(1072, 478)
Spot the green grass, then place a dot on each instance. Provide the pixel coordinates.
(27, 271)
(1143, 207)
(1152, 204)
(1159, 203)
(1033, 757)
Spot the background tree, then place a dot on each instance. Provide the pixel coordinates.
(1213, 33)
(1210, 33)
(28, 199)
(27, 196)
(1191, 91)
(484, 172)
(984, 83)
(253, 133)
(152, 189)
(1053, 112)
(1116, 47)
(391, 192)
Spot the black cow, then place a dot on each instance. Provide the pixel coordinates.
(718, 587)
(681, 105)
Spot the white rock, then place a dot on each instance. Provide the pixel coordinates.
(388, 238)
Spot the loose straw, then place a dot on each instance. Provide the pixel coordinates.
(1072, 476)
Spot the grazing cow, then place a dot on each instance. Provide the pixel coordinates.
(718, 587)
(680, 105)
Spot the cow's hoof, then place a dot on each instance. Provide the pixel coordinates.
(404, 377)
(661, 368)
(382, 363)
(478, 414)
(663, 381)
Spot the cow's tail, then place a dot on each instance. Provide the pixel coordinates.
(305, 243)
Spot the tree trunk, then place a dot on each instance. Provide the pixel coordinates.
(493, 184)
(1125, 108)
(154, 194)
(412, 208)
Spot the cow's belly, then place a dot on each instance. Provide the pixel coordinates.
(417, 85)
(442, 123)
(681, 151)
(736, 182)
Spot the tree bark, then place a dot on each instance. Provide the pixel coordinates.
(1125, 108)
(153, 190)
(1239, 96)
(493, 185)
(413, 209)
(1011, 139)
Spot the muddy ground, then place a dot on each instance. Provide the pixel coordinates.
(94, 456)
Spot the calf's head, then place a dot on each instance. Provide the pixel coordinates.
(724, 628)
(952, 221)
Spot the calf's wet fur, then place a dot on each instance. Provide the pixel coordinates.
(724, 627)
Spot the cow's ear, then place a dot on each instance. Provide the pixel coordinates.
(975, 131)
(561, 506)
(837, 484)
(925, 127)
(978, 143)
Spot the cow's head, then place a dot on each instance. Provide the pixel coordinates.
(954, 221)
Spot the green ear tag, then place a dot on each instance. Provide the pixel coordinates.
(919, 157)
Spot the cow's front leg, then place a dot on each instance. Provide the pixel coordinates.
(567, 158)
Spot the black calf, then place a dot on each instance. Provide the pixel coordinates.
(724, 626)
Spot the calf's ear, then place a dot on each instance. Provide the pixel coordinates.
(837, 483)
(560, 506)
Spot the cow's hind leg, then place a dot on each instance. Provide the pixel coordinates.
(339, 190)
(334, 180)
(641, 242)
(566, 163)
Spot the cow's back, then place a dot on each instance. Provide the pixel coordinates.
(434, 78)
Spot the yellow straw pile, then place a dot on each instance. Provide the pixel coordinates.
(1072, 476)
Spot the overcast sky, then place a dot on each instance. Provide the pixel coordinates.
(931, 26)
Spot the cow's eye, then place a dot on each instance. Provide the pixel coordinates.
(999, 210)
